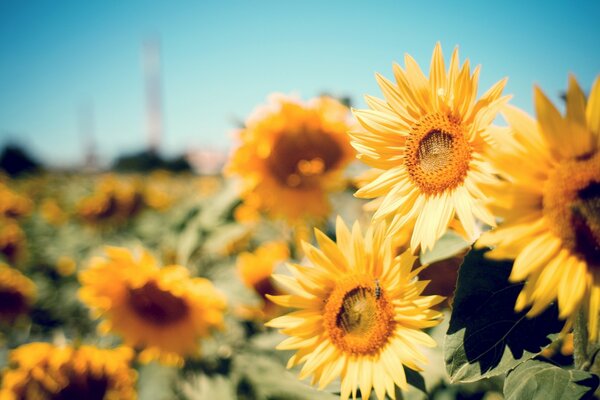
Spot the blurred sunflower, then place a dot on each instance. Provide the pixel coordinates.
(42, 371)
(427, 139)
(12, 204)
(291, 155)
(52, 212)
(12, 241)
(160, 310)
(255, 270)
(549, 201)
(17, 294)
(361, 313)
(113, 201)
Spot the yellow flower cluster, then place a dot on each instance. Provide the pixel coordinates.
(17, 294)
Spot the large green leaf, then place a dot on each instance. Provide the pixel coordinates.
(541, 380)
(486, 337)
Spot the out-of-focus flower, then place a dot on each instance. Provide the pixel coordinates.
(255, 269)
(163, 311)
(427, 141)
(52, 212)
(12, 241)
(549, 200)
(12, 204)
(114, 201)
(291, 155)
(360, 313)
(42, 371)
(66, 266)
(17, 294)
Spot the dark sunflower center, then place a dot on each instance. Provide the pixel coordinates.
(572, 206)
(358, 311)
(83, 387)
(437, 154)
(358, 317)
(297, 159)
(12, 303)
(156, 305)
(435, 151)
(586, 222)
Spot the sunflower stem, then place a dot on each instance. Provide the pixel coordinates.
(580, 341)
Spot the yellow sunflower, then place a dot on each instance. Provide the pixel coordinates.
(42, 371)
(255, 269)
(12, 241)
(549, 201)
(427, 139)
(360, 313)
(17, 294)
(114, 201)
(163, 311)
(291, 155)
(12, 204)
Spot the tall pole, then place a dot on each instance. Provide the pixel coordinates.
(151, 59)
(86, 124)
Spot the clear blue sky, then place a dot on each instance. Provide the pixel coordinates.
(221, 59)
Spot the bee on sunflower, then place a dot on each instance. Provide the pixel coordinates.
(161, 311)
(361, 312)
(549, 202)
(426, 141)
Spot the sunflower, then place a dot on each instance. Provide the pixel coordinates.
(549, 201)
(361, 313)
(255, 269)
(162, 311)
(291, 155)
(428, 139)
(42, 371)
(113, 201)
(12, 204)
(17, 294)
(12, 241)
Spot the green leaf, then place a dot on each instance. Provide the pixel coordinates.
(447, 246)
(155, 382)
(486, 337)
(415, 379)
(541, 380)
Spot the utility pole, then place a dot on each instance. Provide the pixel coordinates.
(151, 63)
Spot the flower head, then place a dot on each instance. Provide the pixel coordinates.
(162, 311)
(291, 155)
(43, 371)
(549, 201)
(17, 294)
(360, 313)
(427, 140)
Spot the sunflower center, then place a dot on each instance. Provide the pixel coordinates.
(158, 306)
(12, 303)
(358, 317)
(299, 158)
(572, 206)
(83, 386)
(437, 153)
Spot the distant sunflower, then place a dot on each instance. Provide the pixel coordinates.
(427, 138)
(42, 371)
(291, 155)
(361, 313)
(17, 294)
(549, 200)
(12, 204)
(114, 200)
(12, 241)
(163, 311)
(255, 269)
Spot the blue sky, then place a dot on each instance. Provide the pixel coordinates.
(221, 59)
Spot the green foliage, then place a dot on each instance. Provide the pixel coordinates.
(535, 379)
(486, 337)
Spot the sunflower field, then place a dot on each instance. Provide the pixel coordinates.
(437, 244)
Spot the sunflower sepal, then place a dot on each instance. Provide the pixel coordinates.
(486, 336)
